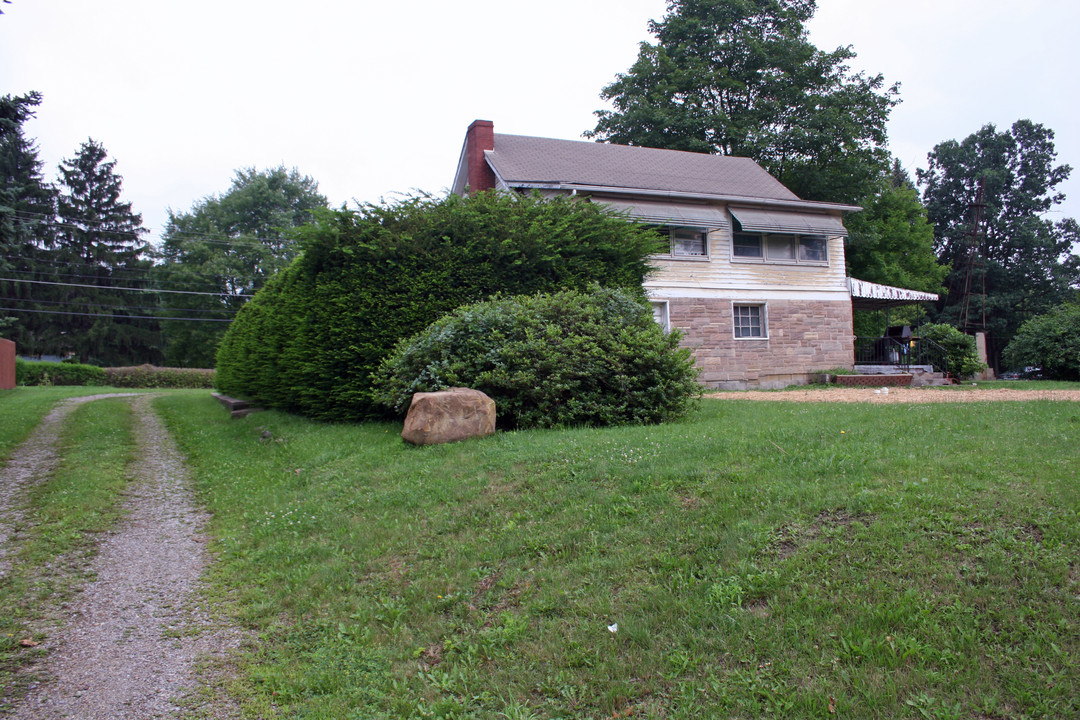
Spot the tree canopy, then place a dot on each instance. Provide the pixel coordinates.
(891, 241)
(1050, 341)
(1019, 262)
(230, 244)
(740, 77)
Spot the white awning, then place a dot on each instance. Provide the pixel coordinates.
(788, 221)
(871, 296)
(695, 216)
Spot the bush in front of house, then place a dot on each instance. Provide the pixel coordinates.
(570, 358)
(959, 348)
(1051, 342)
(310, 339)
(33, 372)
(151, 376)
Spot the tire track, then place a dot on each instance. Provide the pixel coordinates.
(31, 463)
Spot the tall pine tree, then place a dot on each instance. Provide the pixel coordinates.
(27, 210)
(99, 238)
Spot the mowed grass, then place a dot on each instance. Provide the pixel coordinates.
(756, 560)
(61, 520)
(23, 408)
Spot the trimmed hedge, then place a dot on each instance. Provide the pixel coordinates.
(33, 372)
(30, 372)
(150, 376)
(569, 358)
(310, 339)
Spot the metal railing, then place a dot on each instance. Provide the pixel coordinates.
(901, 353)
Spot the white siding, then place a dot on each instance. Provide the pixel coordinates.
(720, 272)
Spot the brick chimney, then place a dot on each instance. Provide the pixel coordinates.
(480, 137)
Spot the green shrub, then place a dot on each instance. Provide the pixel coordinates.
(32, 372)
(1051, 342)
(569, 358)
(310, 339)
(150, 376)
(963, 357)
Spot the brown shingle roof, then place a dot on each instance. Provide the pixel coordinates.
(519, 159)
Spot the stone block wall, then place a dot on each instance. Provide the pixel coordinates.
(804, 336)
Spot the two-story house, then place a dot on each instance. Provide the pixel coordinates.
(754, 277)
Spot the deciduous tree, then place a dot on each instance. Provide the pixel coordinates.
(740, 77)
(1019, 261)
(229, 244)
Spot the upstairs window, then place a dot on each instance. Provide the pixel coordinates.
(746, 245)
(688, 242)
(779, 248)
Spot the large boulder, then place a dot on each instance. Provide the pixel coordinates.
(448, 415)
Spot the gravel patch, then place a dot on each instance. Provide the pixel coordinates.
(127, 646)
(899, 395)
(31, 463)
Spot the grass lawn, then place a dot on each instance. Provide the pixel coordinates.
(23, 408)
(789, 560)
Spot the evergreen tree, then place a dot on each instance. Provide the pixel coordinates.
(27, 210)
(229, 244)
(99, 238)
(1020, 263)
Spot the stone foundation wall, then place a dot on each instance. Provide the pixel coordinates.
(803, 337)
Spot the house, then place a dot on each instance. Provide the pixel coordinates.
(754, 277)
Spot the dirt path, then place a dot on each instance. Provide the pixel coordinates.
(127, 645)
(899, 395)
(31, 463)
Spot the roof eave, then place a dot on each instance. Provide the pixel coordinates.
(678, 195)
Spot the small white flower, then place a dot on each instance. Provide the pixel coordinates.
(613, 627)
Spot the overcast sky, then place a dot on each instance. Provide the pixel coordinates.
(373, 98)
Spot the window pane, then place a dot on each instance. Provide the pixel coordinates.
(812, 248)
(660, 315)
(781, 247)
(746, 245)
(748, 321)
(687, 242)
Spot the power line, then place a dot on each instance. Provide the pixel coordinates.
(114, 305)
(120, 317)
(113, 287)
(134, 274)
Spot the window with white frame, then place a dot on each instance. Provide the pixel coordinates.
(780, 248)
(661, 315)
(685, 242)
(749, 321)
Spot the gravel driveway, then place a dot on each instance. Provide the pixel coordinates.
(899, 395)
(126, 646)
